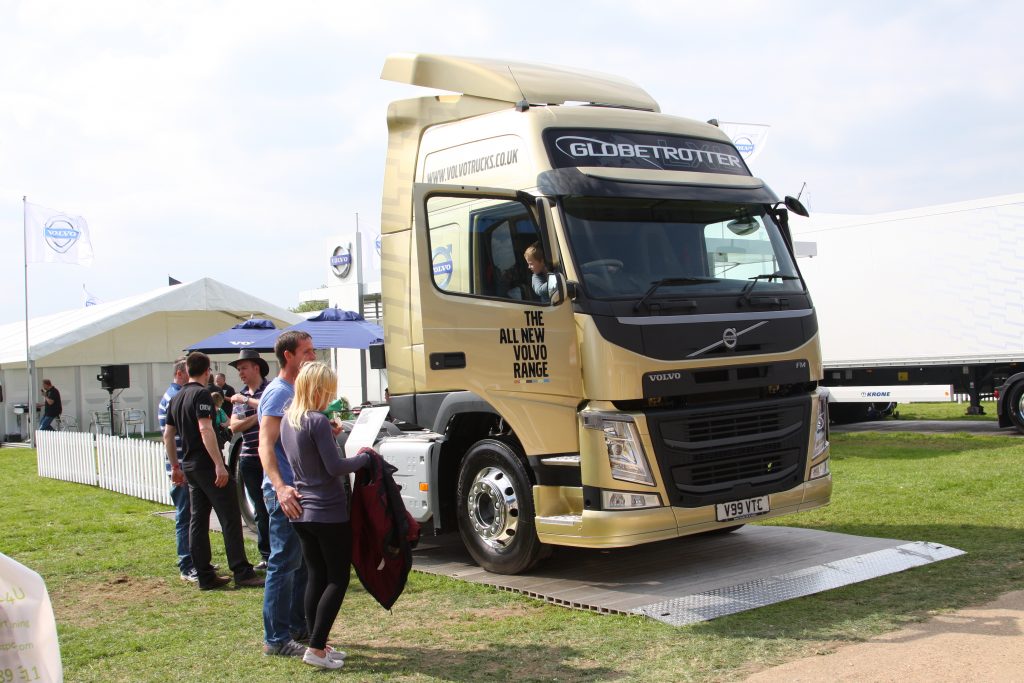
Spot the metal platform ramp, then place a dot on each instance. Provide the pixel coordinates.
(692, 579)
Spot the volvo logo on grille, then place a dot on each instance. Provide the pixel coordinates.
(664, 376)
(729, 339)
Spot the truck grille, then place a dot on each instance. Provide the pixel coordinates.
(712, 455)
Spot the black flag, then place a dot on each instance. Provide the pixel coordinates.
(172, 281)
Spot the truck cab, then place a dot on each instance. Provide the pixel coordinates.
(657, 379)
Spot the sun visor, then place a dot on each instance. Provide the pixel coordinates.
(658, 177)
(603, 182)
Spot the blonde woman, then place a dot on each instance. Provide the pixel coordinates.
(323, 527)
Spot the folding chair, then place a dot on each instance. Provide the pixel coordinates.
(135, 418)
(101, 422)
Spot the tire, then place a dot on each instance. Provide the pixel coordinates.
(233, 453)
(494, 507)
(1015, 406)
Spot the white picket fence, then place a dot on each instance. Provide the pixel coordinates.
(134, 467)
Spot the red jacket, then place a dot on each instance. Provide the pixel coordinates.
(383, 531)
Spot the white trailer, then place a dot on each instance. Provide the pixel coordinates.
(925, 296)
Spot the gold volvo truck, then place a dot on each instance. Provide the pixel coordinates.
(656, 376)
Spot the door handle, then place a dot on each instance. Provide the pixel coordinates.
(447, 361)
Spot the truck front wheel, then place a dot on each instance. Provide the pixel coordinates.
(495, 511)
(1015, 406)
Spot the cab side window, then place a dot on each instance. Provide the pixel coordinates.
(477, 247)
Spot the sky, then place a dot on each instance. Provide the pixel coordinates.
(231, 139)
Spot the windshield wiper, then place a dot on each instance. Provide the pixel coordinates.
(749, 287)
(668, 282)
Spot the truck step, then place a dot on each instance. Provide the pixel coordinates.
(565, 520)
(562, 460)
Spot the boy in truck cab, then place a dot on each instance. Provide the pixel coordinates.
(534, 255)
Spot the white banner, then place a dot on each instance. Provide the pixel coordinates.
(749, 138)
(55, 237)
(28, 633)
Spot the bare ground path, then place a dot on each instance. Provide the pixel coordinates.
(984, 643)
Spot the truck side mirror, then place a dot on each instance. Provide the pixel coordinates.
(794, 205)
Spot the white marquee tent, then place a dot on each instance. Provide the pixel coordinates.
(146, 331)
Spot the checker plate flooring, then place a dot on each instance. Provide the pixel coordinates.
(695, 578)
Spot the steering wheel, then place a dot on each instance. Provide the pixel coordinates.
(602, 263)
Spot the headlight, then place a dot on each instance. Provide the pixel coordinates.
(625, 452)
(820, 470)
(821, 428)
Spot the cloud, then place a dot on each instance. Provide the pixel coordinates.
(202, 138)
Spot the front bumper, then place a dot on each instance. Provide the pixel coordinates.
(622, 528)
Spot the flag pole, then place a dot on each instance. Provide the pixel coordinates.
(31, 409)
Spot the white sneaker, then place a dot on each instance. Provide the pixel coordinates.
(325, 662)
(335, 654)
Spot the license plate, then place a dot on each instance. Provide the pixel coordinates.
(742, 509)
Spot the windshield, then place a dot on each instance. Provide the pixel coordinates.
(623, 247)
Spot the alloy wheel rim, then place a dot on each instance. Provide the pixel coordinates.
(493, 507)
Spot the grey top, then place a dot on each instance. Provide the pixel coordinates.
(319, 468)
(540, 287)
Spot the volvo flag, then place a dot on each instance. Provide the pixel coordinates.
(55, 237)
(749, 138)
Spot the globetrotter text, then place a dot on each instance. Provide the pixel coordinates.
(587, 147)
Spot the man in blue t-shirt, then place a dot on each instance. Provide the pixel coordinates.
(284, 620)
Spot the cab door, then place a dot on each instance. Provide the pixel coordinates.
(484, 329)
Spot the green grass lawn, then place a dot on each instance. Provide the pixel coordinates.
(123, 614)
(944, 411)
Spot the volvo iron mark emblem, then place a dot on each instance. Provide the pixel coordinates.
(729, 339)
(341, 261)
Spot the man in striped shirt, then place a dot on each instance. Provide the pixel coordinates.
(179, 493)
(253, 371)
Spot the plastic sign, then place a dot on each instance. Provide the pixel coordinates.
(28, 632)
(442, 266)
(650, 151)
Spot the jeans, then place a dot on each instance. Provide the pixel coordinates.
(204, 496)
(44, 423)
(285, 587)
(250, 471)
(182, 521)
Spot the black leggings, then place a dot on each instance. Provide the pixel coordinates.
(327, 549)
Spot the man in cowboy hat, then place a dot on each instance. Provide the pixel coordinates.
(253, 371)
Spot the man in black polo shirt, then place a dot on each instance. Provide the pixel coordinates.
(209, 484)
(219, 385)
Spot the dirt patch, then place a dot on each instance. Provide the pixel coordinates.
(497, 613)
(86, 603)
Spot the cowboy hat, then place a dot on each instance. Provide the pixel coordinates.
(249, 354)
